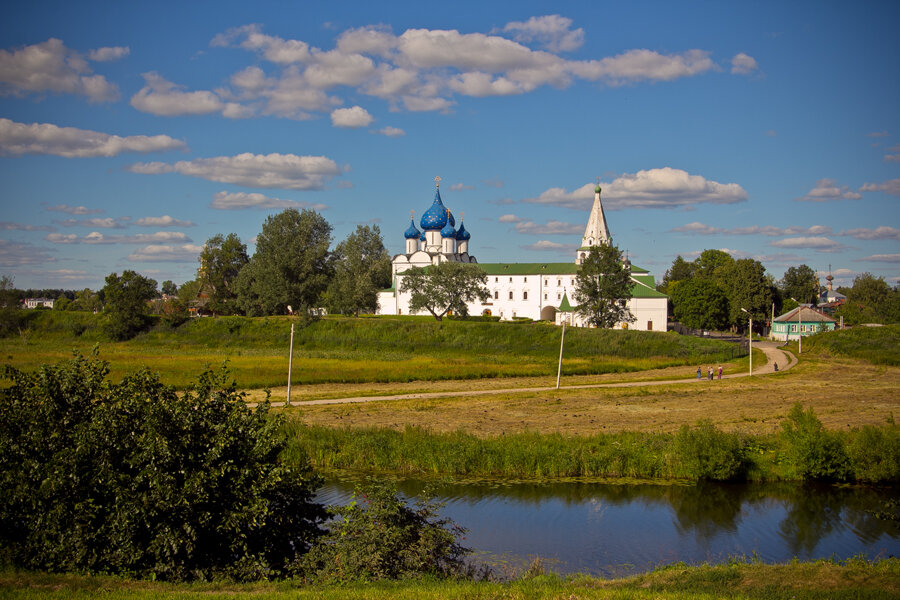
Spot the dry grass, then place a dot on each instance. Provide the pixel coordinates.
(843, 393)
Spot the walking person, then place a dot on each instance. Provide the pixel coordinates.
(776, 367)
(699, 375)
(720, 372)
(709, 373)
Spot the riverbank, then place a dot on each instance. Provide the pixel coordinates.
(737, 579)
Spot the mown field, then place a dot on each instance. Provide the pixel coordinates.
(346, 350)
(739, 579)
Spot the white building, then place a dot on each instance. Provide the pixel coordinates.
(531, 290)
(39, 302)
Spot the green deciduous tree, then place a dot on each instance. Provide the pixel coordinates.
(291, 266)
(446, 287)
(680, 271)
(361, 268)
(87, 300)
(603, 287)
(170, 289)
(221, 261)
(700, 304)
(712, 264)
(748, 287)
(870, 300)
(800, 283)
(127, 313)
(136, 478)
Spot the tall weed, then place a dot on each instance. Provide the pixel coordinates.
(811, 451)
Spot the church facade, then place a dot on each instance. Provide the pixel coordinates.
(538, 291)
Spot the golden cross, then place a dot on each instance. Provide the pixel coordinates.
(462, 216)
(412, 215)
(437, 181)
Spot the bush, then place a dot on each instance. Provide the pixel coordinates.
(875, 453)
(378, 536)
(133, 478)
(813, 452)
(704, 452)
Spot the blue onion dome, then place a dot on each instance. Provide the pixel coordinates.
(451, 219)
(461, 234)
(435, 217)
(422, 237)
(411, 233)
(448, 232)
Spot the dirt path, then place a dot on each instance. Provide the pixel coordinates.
(774, 354)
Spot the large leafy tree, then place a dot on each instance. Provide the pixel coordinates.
(713, 264)
(446, 287)
(138, 478)
(871, 300)
(361, 268)
(127, 312)
(700, 304)
(680, 271)
(291, 266)
(603, 287)
(749, 288)
(221, 261)
(800, 283)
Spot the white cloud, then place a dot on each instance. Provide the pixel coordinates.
(697, 228)
(828, 189)
(510, 218)
(95, 237)
(354, 117)
(285, 171)
(892, 158)
(878, 134)
(13, 254)
(166, 253)
(551, 246)
(644, 65)
(163, 221)
(742, 64)
(888, 258)
(272, 48)
(109, 53)
(391, 131)
(819, 243)
(243, 200)
(51, 67)
(332, 68)
(879, 233)
(73, 210)
(103, 223)
(461, 187)
(891, 187)
(368, 40)
(551, 227)
(163, 98)
(59, 274)
(651, 188)
(10, 226)
(46, 138)
(554, 32)
(290, 95)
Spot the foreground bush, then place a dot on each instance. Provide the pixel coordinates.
(131, 477)
(379, 536)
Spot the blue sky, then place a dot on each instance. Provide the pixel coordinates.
(130, 133)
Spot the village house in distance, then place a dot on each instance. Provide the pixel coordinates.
(532, 290)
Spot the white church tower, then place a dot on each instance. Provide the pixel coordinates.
(596, 233)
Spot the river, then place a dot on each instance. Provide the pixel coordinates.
(613, 530)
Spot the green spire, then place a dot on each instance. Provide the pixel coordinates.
(564, 306)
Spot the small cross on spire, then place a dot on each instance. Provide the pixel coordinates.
(412, 215)
(437, 181)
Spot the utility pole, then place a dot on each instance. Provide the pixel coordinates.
(290, 366)
(561, 342)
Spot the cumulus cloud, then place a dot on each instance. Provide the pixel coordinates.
(819, 243)
(892, 158)
(742, 64)
(109, 53)
(888, 258)
(651, 188)
(73, 210)
(424, 69)
(891, 187)
(551, 246)
(461, 187)
(163, 98)
(697, 228)
(10, 226)
(58, 274)
(45, 138)
(95, 237)
(103, 223)
(243, 200)
(354, 117)
(284, 171)
(828, 189)
(14, 254)
(553, 32)
(166, 253)
(51, 67)
(879, 233)
(551, 227)
(509, 218)
(163, 221)
(391, 131)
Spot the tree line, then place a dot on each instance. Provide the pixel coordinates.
(711, 291)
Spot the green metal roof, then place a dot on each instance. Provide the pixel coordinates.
(564, 306)
(566, 268)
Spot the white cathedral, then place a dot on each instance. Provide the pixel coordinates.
(538, 291)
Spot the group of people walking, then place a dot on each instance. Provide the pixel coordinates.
(709, 373)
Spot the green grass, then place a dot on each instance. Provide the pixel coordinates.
(346, 350)
(855, 578)
(878, 345)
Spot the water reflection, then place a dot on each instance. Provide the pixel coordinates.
(610, 529)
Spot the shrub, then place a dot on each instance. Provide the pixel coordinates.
(704, 452)
(811, 451)
(378, 536)
(133, 478)
(875, 453)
